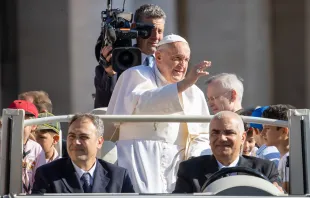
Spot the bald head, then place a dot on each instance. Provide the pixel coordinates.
(227, 136)
(232, 117)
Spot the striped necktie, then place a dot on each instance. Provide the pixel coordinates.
(86, 182)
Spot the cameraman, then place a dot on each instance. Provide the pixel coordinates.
(106, 78)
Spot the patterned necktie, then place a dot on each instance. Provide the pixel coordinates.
(86, 182)
(149, 61)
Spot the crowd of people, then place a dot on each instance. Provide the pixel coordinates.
(154, 157)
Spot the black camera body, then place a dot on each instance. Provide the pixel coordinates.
(116, 32)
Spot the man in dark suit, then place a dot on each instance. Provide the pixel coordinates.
(227, 136)
(82, 172)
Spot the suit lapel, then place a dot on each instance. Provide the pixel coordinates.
(100, 179)
(211, 167)
(243, 162)
(71, 179)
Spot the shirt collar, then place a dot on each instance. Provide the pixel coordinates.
(160, 77)
(143, 56)
(233, 164)
(261, 148)
(80, 172)
(55, 156)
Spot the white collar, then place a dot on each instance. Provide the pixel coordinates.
(143, 57)
(159, 76)
(233, 164)
(80, 172)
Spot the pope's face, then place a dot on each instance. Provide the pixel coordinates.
(172, 61)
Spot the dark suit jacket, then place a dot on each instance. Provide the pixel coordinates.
(60, 176)
(193, 173)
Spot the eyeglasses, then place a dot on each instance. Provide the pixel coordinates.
(212, 98)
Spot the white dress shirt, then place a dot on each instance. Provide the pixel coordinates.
(233, 164)
(80, 171)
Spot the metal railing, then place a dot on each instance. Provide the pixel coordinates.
(12, 135)
(154, 118)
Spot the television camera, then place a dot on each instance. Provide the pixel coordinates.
(116, 31)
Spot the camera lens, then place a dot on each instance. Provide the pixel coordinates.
(126, 58)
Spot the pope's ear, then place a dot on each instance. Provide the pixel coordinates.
(233, 95)
(158, 55)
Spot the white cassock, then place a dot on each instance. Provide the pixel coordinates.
(151, 152)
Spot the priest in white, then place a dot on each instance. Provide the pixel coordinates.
(151, 152)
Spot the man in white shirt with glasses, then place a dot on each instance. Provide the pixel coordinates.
(224, 92)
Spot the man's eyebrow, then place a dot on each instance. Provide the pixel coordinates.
(215, 130)
(178, 55)
(230, 130)
(84, 134)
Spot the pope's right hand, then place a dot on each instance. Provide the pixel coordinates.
(197, 71)
(193, 75)
(106, 53)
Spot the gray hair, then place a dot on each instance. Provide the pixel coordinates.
(149, 11)
(229, 114)
(229, 81)
(98, 123)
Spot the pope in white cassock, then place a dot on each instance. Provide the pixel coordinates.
(151, 152)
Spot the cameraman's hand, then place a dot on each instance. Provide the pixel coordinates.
(193, 75)
(106, 53)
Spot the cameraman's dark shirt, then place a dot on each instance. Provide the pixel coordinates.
(104, 84)
(103, 87)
